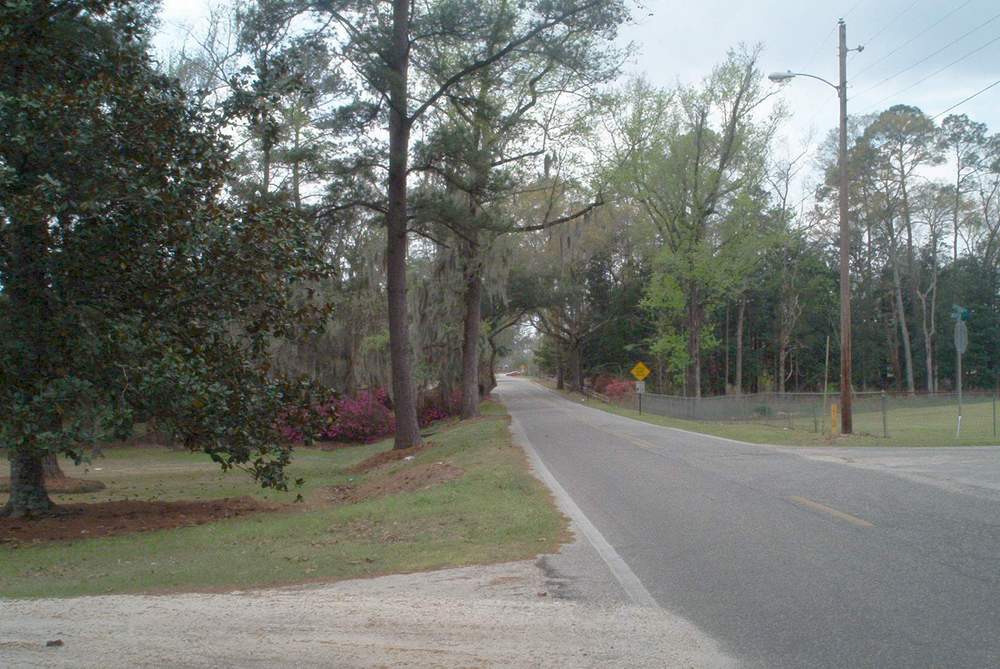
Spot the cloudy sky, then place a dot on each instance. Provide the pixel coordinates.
(928, 53)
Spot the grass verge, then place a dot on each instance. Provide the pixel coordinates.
(495, 511)
(919, 426)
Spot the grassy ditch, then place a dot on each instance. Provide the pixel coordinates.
(355, 521)
(919, 427)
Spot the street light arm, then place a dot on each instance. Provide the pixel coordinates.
(813, 76)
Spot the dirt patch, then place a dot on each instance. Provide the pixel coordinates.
(62, 486)
(385, 457)
(418, 477)
(85, 521)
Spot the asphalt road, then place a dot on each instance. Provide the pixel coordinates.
(786, 557)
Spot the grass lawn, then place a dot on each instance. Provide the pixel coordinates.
(924, 425)
(494, 511)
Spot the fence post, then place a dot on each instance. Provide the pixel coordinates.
(885, 419)
(815, 420)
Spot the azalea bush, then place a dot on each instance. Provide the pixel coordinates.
(601, 382)
(362, 418)
(619, 388)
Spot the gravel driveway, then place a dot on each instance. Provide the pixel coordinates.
(506, 615)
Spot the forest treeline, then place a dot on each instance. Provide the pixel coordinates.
(321, 198)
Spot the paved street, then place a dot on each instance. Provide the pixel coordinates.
(788, 557)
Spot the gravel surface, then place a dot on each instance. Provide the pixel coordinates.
(507, 615)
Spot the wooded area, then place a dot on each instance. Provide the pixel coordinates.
(311, 199)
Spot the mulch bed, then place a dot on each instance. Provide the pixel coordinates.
(417, 477)
(385, 457)
(84, 521)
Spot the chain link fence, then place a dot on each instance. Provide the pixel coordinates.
(919, 419)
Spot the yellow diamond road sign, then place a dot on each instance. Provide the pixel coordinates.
(640, 371)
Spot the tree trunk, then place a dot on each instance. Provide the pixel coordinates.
(892, 338)
(490, 371)
(27, 289)
(404, 394)
(28, 497)
(576, 361)
(51, 469)
(782, 363)
(470, 337)
(739, 345)
(904, 330)
(927, 314)
(560, 366)
(726, 360)
(693, 374)
(958, 204)
(296, 172)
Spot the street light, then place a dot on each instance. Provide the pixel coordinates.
(846, 415)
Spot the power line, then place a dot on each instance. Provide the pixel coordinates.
(936, 72)
(892, 21)
(853, 7)
(962, 102)
(819, 47)
(914, 38)
(926, 58)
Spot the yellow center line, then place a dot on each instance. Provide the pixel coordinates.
(636, 441)
(816, 506)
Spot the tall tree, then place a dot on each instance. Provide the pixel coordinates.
(690, 158)
(130, 291)
(965, 141)
(393, 49)
(903, 140)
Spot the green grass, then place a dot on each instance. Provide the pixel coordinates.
(923, 425)
(496, 511)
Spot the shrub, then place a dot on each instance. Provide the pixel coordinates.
(619, 388)
(364, 418)
(434, 407)
(601, 382)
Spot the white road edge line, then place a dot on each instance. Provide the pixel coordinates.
(620, 570)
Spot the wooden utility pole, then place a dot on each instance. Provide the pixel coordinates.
(846, 414)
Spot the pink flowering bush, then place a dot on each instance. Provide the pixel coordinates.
(619, 388)
(601, 382)
(363, 418)
(433, 407)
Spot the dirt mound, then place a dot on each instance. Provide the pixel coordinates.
(62, 486)
(386, 457)
(84, 521)
(418, 477)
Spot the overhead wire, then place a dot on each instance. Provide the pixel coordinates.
(937, 72)
(886, 26)
(963, 101)
(929, 56)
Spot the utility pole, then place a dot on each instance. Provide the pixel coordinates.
(846, 415)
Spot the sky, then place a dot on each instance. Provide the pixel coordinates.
(952, 45)
(928, 53)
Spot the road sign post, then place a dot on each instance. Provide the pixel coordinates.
(640, 372)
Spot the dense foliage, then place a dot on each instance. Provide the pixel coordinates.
(133, 290)
(388, 195)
